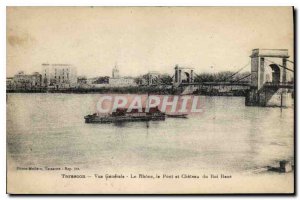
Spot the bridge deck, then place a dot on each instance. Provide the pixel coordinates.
(279, 85)
(217, 84)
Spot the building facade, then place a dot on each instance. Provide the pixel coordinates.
(121, 82)
(26, 81)
(59, 75)
(81, 80)
(118, 81)
(9, 83)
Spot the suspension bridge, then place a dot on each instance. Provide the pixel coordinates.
(271, 79)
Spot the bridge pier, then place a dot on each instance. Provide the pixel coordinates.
(269, 98)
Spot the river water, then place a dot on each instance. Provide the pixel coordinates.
(49, 130)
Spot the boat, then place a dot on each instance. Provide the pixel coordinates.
(123, 115)
(177, 115)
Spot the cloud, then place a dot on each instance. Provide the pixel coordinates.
(23, 40)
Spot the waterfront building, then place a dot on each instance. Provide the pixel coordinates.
(122, 82)
(98, 82)
(117, 81)
(59, 75)
(81, 80)
(9, 83)
(26, 81)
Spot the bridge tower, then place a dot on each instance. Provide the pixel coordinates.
(183, 75)
(270, 78)
(183, 78)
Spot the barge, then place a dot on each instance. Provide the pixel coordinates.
(123, 115)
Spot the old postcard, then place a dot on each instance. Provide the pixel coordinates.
(150, 100)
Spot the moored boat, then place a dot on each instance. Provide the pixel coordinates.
(123, 115)
(177, 115)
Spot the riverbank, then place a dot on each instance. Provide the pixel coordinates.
(132, 90)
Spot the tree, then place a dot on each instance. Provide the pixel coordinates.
(223, 76)
(166, 79)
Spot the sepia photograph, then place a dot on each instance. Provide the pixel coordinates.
(150, 100)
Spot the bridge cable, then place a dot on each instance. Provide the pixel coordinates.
(242, 78)
(196, 74)
(279, 65)
(237, 71)
(233, 73)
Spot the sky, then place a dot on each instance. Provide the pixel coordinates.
(143, 39)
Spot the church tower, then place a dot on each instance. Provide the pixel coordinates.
(115, 72)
